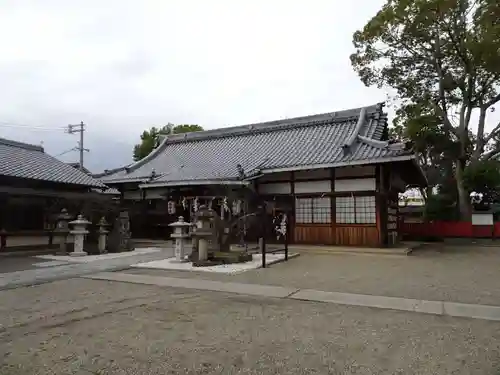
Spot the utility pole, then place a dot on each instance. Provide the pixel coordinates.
(79, 128)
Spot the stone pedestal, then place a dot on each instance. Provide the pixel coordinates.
(62, 231)
(180, 236)
(203, 249)
(103, 236)
(203, 232)
(79, 231)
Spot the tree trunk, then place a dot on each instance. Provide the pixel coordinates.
(463, 198)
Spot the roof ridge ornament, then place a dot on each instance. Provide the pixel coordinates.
(382, 144)
(350, 142)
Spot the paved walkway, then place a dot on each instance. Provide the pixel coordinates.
(422, 306)
(59, 271)
(466, 275)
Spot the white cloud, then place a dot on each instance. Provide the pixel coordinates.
(122, 66)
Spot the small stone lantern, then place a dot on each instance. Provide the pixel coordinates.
(103, 235)
(180, 235)
(79, 231)
(62, 231)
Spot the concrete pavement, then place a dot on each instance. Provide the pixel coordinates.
(403, 304)
(59, 271)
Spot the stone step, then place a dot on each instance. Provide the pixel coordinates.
(318, 249)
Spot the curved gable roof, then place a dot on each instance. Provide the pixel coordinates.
(327, 140)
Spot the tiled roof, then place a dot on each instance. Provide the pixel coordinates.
(326, 140)
(23, 160)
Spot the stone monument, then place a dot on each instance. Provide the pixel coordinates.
(103, 235)
(62, 231)
(120, 236)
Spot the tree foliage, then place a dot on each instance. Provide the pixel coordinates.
(442, 59)
(150, 139)
(484, 178)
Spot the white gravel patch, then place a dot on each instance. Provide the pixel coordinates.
(94, 258)
(231, 269)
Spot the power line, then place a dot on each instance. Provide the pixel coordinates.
(28, 127)
(67, 151)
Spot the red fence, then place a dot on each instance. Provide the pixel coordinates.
(445, 229)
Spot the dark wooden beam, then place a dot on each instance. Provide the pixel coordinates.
(25, 191)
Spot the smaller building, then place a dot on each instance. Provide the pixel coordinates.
(33, 184)
(337, 174)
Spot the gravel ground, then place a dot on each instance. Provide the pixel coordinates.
(458, 274)
(86, 327)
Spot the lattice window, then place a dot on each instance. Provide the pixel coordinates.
(345, 211)
(356, 210)
(366, 210)
(313, 210)
(322, 210)
(303, 210)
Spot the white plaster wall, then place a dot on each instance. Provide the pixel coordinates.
(323, 186)
(275, 188)
(355, 184)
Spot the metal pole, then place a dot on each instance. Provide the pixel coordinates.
(263, 235)
(286, 237)
(263, 252)
(80, 128)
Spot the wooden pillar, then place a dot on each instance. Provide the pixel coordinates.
(143, 215)
(3, 210)
(381, 199)
(333, 207)
(291, 217)
(3, 218)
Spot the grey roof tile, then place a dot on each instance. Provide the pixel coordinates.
(23, 160)
(298, 142)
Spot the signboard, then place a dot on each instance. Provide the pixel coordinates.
(483, 218)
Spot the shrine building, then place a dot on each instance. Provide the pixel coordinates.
(337, 174)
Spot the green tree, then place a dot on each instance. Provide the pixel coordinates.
(441, 58)
(484, 178)
(150, 139)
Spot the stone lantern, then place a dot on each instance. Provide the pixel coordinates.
(203, 231)
(103, 235)
(62, 231)
(79, 231)
(180, 235)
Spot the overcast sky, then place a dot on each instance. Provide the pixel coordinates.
(121, 66)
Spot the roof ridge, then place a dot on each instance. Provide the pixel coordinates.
(107, 172)
(130, 167)
(367, 112)
(26, 146)
(274, 125)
